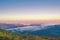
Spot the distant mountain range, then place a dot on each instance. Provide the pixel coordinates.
(7, 26)
(52, 30)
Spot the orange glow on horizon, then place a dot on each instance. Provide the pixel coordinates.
(31, 21)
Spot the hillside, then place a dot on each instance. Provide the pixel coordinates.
(5, 35)
(51, 30)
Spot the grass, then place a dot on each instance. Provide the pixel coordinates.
(5, 35)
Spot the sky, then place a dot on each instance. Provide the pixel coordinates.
(30, 11)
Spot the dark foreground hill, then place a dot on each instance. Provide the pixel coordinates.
(5, 35)
(52, 30)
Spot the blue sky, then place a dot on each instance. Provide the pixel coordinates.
(29, 10)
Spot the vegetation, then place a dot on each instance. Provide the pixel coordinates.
(4, 35)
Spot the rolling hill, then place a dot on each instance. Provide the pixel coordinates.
(6, 35)
(52, 30)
